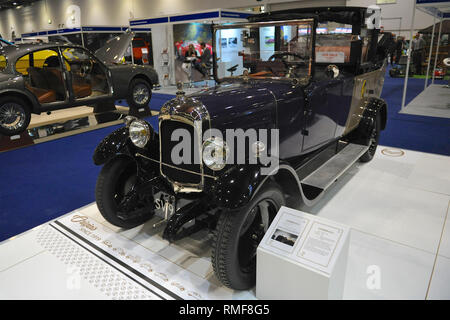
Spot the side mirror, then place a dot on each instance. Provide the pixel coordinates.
(332, 71)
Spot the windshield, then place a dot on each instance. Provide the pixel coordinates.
(265, 50)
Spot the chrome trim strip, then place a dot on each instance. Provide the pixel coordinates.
(189, 111)
(174, 167)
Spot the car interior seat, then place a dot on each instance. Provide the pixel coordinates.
(39, 86)
(81, 87)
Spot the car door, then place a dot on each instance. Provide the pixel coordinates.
(44, 77)
(88, 77)
(329, 95)
(320, 111)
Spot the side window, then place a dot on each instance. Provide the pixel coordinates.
(88, 76)
(43, 75)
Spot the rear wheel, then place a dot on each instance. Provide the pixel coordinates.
(139, 94)
(372, 140)
(115, 196)
(238, 234)
(15, 116)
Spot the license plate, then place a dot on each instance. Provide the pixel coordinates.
(164, 205)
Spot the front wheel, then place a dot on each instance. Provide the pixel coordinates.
(15, 116)
(238, 234)
(139, 94)
(115, 194)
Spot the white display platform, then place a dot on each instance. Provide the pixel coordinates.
(302, 257)
(397, 207)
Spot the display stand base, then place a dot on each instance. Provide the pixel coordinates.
(104, 107)
(82, 251)
(14, 142)
(63, 123)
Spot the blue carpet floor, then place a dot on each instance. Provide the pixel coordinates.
(158, 100)
(45, 181)
(426, 134)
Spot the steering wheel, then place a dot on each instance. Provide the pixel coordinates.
(283, 55)
(86, 68)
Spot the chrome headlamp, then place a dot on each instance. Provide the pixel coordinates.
(140, 133)
(215, 153)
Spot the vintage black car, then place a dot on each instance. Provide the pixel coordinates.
(44, 77)
(313, 77)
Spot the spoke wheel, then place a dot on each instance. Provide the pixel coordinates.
(14, 116)
(141, 94)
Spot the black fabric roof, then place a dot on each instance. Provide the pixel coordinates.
(347, 15)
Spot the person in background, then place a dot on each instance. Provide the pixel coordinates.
(392, 49)
(205, 60)
(191, 52)
(417, 47)
(399, 49)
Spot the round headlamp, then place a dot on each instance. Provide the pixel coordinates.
(140, 133)
(215, 153)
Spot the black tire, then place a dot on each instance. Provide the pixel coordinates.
(114, 181)
(228, 250)
(142, 100)
(8, 125)
(372, 140)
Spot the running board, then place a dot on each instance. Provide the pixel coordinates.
(322, 178)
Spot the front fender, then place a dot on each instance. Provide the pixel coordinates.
(113, 144)
(234, 188)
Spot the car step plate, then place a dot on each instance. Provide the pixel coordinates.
(331, 170)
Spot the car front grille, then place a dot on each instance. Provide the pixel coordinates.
(179, 172)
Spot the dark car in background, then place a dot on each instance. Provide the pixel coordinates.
(44, 77)
(318, 92)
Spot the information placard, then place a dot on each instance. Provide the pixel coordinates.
(311, 251)
(305, 238)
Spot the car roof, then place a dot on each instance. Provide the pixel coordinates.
(347, 15)
(16, 51)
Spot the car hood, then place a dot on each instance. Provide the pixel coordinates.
(115, 48)
(239, 105)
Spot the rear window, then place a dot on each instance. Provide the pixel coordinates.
(3, 63)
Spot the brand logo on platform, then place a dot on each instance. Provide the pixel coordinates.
(393, 152)
(83, 221)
